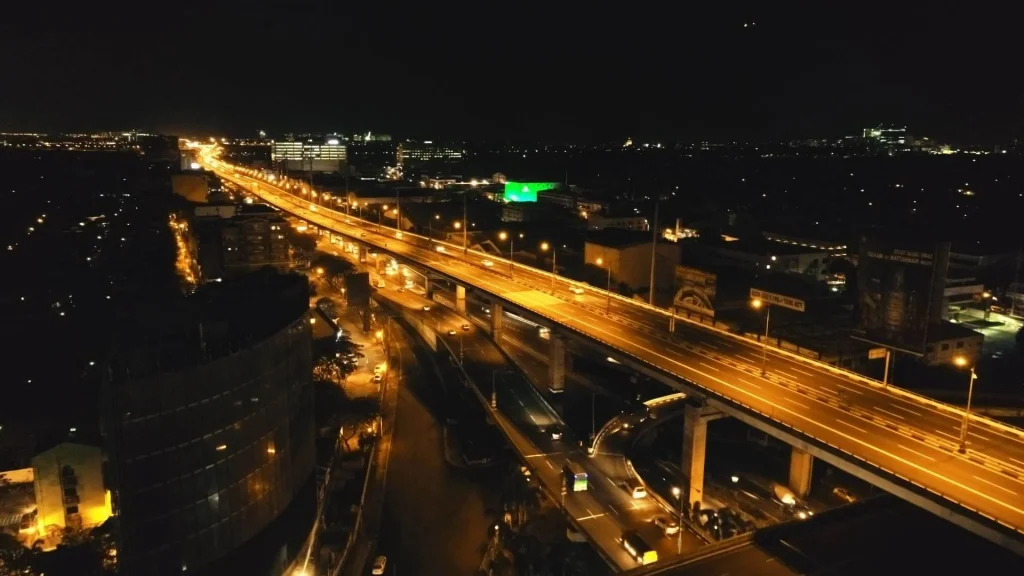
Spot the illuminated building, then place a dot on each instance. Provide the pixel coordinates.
(68, 482)
(327, 156)
(526, 191)
(412, 153)
(208, 420)
(887, 135)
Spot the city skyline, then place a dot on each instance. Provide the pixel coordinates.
(749, 75)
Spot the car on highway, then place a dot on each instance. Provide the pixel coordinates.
(465, 327)
(556, 432)
(452, 332)
(576, 290)
(377, 378)
(666, 524)
(379, 564)
(527, 475)
(844, 494)
(362, 234)
(440, 248)
(487, 263)
(379, 369)
(426, 307)
(638, 491)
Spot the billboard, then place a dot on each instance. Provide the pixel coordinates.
(357, 289)
(526, 191)
(696, 290)
(899, 292)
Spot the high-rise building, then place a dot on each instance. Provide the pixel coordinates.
(208, 420)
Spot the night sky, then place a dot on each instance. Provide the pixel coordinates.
(502, 70)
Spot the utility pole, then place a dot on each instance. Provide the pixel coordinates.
(654, 249)
(465, 223)
(1016, 285)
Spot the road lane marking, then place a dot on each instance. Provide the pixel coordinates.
(591, 517)
(916, 452)
(713, 347)
(1015, 460)
(786, 374)
(996, 485)
(985, 438)
(802, 405)
(748, 383)
(884, 411)
(948, 435)
(852, 426)
(710, 367)
(898, 407)
(795, 369)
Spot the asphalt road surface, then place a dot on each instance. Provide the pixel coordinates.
(435, 515)
(880, 537)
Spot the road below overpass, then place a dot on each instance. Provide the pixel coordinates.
(904, 441)
(882, 536)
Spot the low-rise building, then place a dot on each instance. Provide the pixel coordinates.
(628, 256)
(69, 489)
(597, 221)
(948, 341)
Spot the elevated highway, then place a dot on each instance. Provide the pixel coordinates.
(901, 442)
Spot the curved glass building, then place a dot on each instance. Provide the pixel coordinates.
(209, 425)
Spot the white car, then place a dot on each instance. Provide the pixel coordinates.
(426, 307)
(638, 491)
(487, 263)
(440, 248)
(844, 494)
(451, 332)
(379, 563)
(377, 378)
(576, 290)
(667, 525)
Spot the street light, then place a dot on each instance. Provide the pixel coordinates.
(600, 262)
(679, 535)
(757, 303)
(961, 362)
(511, 249)
(544, 246)
(430, 232)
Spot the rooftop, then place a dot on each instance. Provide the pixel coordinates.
(617, 238)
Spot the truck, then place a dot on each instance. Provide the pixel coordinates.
(638, 548)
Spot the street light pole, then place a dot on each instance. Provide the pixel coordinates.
(764, 349)
(757, 303)
(465, 225)
(961, 361)
(679, 535)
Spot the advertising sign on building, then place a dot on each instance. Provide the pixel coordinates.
(696, 290)
(899, 292)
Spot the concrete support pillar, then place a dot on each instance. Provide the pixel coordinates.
(695, 433)
(556, 364)
(800, 466)
(460, 299)
(428, 288)
(497, 313)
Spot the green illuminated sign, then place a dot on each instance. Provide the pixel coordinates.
(526, 191)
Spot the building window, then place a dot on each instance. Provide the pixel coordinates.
(71, 510)
(945, 347)
(960, 344)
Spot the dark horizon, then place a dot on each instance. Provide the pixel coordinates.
(739, 74)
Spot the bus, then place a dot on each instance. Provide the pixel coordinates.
(575, 477)
(638, 548)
